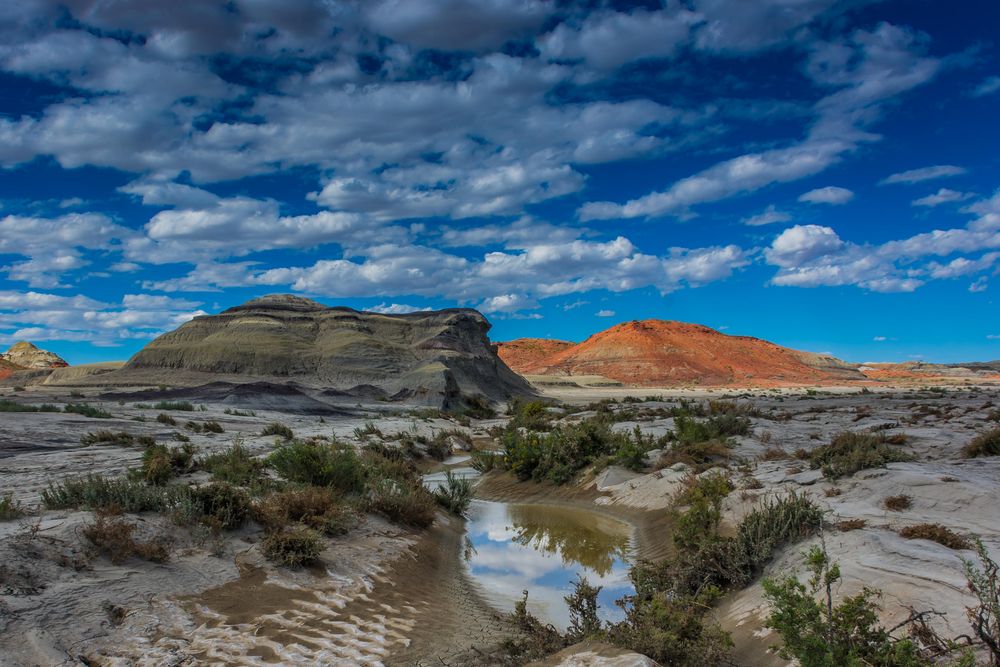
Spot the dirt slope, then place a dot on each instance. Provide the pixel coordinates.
(668, 353)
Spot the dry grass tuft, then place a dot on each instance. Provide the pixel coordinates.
(985, 444)
(935, 532)
(898, 503)
(851, 524)
(114, 537)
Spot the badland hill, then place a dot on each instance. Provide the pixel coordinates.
(668, 353)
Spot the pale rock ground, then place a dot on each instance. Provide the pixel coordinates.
(958, 493)
(50, 609)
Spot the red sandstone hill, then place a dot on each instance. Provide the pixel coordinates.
(666, 353)
(526, 352)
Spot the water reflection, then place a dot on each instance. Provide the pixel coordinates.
(542, 548)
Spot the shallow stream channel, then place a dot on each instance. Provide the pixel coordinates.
(542, 548)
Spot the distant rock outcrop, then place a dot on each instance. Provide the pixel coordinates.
(26, 355)
(431, 357)
(666, 353)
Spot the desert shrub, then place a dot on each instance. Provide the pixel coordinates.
(97, 492)
(485, 461)
(370, 430)
(455, 494)
(319, 464)
(234, 465)
(557, 455)
(532, 639)
(819, 633)
(212, 427)
(164, 418)
(671, 629)
(898, 503)
(315, 507)
(240, 413)
(278, 429)
(120, 438)
(935, 532)
(113, 537)
(984, 583)
(703, 497)
(293, 547)
(181, 406)
(193, 426)
(476, 406)
(773, 523)
(6, 405)
(86, 411)
(9, 508)
(406, 502)
(850, 452)
(221, 505)
(993, 415)
(530, 415)
(985, 444)
(161, 463)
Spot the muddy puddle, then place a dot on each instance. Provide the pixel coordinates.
(542, 548)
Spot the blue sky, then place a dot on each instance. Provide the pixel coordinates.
(821, 174)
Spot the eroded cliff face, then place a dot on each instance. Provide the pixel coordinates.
(432, 356)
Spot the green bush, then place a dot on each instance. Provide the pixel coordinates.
(120, 438)
(87, 411)
(455, 494)
(234, 465)
(850, 452)
(558, 455)
(985, 444)
(161, 463)
(278, 429)
(319, 464)
(293, 547)
(97, 492)
(485, 461)
(530, 415)
(819, 633)
(406, 502)
(10, 508)
(221, 505)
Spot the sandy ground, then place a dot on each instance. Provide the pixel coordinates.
(387, 595)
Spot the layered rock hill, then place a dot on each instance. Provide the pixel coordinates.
(26, 355)
(432, 357)
(661, 353)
